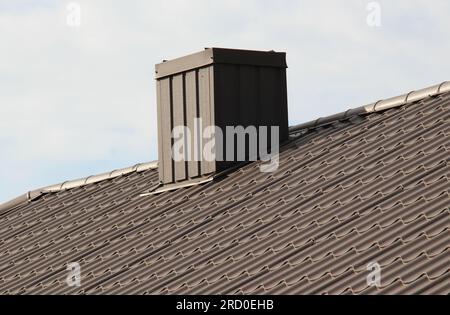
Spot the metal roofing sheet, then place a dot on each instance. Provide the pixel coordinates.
(371, 188)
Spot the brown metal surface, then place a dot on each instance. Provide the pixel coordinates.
(233, 88)
(220, 56)
(371, 188)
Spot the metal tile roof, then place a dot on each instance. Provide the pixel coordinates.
(366, 188)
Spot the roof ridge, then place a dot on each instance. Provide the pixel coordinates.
(99, 177)
(378, 106)
(31, 195)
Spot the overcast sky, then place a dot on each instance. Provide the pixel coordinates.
(76, 101)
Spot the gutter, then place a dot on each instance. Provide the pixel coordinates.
(34, 194)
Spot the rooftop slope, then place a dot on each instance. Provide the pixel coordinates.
(370, 188)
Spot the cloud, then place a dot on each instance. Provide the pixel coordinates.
(74, 101)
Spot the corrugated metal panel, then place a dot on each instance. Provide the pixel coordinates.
(165, 130)
(282, 97)
(228, 107)
(251, 96)
(223, 87)
(179, 108)
(182, 99)
(206, 99)
(192, 113)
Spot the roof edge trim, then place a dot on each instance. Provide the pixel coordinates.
(31, 195)
(378, 106)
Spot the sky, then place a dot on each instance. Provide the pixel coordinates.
(77, 91)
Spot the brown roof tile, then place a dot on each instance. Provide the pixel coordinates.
(370, 188)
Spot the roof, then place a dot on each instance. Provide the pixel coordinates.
(372, 186)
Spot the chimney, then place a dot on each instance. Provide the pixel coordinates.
(207, 92)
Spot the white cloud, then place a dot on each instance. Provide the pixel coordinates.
(70, 98)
